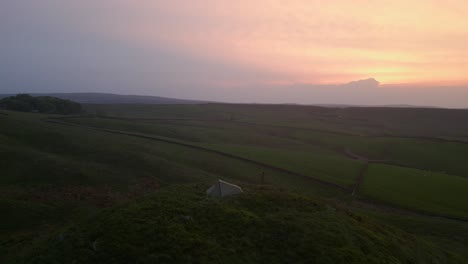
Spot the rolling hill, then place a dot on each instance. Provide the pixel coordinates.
(107, 98)
(126, 183)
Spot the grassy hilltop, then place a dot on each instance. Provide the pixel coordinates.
(381, 184)
(182, 225)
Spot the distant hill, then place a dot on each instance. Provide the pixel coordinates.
(106, 98)
(387, 106)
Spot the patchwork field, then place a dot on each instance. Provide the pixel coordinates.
(58, 171)
(310, 149)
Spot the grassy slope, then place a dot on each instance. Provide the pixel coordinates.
(417, 189)
(274, 149)
(182, 225)
(442, 123)
(314, 153)
(451, 235)
(45, 160)
(52, 174)
(319, 163)
(418, 153)
(85, 156)
(300, 127)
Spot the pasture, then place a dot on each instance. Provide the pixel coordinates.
(59, 170)
(428, 191)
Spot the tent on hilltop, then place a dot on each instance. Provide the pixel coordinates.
(222, 188)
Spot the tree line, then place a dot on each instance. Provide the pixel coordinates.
(41, 104)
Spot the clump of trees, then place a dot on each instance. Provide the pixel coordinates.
(41, 104)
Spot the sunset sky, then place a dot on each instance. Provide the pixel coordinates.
(294, 51)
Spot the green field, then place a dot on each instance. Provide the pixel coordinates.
(419, 153)
(58, 173)
(317, 162)
(272, 135)
(417, 189)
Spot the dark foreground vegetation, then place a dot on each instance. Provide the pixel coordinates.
(125, 184)
(182, 225)
(41, 104)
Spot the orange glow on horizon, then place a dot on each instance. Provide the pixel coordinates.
(314, 41)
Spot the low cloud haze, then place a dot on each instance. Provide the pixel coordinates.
(248, 51)
(363, 92)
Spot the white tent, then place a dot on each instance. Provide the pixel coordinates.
(222, 188)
